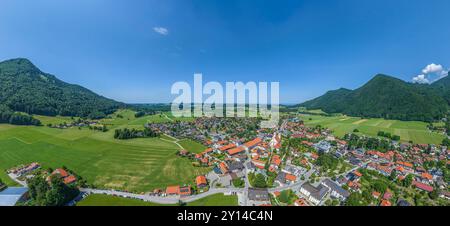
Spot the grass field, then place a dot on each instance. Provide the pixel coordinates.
(105, 200)
(134, 165)
(192, 146)
(408, 131)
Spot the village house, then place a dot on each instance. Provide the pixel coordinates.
(323, 147)
(301, 202)
(235, 166)
(185, 191)
(67, 178)
(173, 190)
(315, 195)
(25, 169)
(336, 190)
(201, 181)
(258, 196)
(422, 186)
(252, 144)
(285, 179)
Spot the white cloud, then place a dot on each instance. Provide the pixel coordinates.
(161, 30)
(421, 79)
(431, 73)
(444, 73)
(433, 68)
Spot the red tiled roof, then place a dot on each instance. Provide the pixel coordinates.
(291, 177)
(405, 164)
(69, 179)
(423, 186)
(207, 151)
(173, 190)
(223, 167)
(235, 150)
(201, 180)
(385, 203)
(252, 143)
(307, 143)
(427, 176)
(276, 160)
(226, 147)
(258, 162)
(357, 173)
(301, 202)
(61, 172)
(376, 194)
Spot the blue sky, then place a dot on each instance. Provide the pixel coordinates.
(133, 51)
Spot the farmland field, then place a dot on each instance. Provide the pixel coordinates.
(408, 131)
(192, 146)
(105, 200)
(135, 165)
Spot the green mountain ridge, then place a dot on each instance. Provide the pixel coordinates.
(25, 88)
(388, 97)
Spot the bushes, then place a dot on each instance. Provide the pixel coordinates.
(238, 183)
(124, 134)
(388, 135)
(257, 180)
(53, 193)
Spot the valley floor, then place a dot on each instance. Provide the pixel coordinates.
(408, 131)
(136, 165)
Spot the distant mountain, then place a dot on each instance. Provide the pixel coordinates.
(388, 97)
(442, 87)
(25, 88)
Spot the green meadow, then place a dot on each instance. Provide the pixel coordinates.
(136, 165)
(407, 130)
(105, 200)
(192, 146)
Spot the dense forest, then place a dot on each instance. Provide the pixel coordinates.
(390, 98)
(24, 88)
(16, 118)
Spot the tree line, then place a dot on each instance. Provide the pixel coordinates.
(124, 134)
(50, 193)
(16, 118)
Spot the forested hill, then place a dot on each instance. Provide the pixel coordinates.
(388, 97)
(25, 88)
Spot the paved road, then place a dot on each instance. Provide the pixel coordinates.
(164, 200)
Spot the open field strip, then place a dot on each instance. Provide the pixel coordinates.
(408, 130)
(135, 165)
(106, 200)
(360, 121)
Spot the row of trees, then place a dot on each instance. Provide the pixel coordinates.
(52, 193)
(327, 162)
(124, 134)
(355, 141)
(388, 135)
(142, 113)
